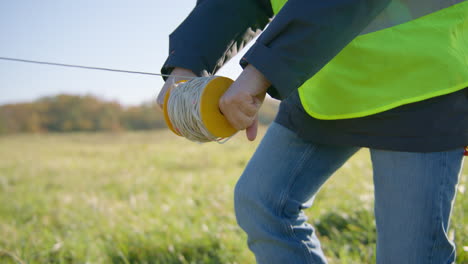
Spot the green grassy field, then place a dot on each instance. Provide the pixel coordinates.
(155, 198)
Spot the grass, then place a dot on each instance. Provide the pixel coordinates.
(151, 197)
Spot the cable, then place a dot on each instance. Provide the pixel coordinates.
(87, 67)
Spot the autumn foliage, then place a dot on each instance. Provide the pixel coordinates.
(70, 113)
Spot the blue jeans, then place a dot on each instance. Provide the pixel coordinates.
(414, 193)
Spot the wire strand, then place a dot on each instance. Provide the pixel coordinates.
(89, 67)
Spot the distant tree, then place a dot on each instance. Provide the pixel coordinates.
(80, 113)
(145, 116)
(69, 113)
(20, 118)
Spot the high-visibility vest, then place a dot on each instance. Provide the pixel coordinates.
(414, 50)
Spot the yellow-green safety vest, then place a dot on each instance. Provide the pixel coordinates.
(414, 50)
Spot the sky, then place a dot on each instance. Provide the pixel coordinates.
(121, 34)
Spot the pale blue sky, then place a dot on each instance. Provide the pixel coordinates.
(122, 34)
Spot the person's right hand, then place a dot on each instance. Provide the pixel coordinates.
(241, 102)
(171, 80)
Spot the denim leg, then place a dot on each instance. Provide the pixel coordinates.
(278, 183)
(414, 194)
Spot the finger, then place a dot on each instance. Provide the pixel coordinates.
(240, 121)
(241, 100)
(237, 118)
(234, 115)
(160, 104)
(251, 131)
(162, 94)
(249, 108)
(160, 99)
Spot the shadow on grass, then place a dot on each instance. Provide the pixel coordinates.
(354, 227)
(348, 234)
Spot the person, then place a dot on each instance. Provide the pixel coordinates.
(391, 76)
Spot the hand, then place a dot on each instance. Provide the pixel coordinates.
(171, 80)
(241, 102)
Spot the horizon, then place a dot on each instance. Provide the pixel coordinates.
(268, 99)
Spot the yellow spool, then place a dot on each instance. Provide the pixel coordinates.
(166, 115)
(212, 118)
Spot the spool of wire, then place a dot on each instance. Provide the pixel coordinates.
(191, 109)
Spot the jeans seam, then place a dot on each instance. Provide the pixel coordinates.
(438, 203)
(285, 195)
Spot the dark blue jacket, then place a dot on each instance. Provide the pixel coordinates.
(298, 42)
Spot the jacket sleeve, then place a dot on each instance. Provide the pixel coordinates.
(214, 32)
(304, 36)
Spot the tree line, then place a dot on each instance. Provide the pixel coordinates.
(72, 113)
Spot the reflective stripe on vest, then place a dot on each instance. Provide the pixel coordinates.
(409, 56)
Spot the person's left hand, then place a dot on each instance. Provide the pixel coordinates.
(171, 80)
(241, 102)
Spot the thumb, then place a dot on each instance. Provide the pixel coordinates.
(161, 97)
(160, 106)
(251, 131)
